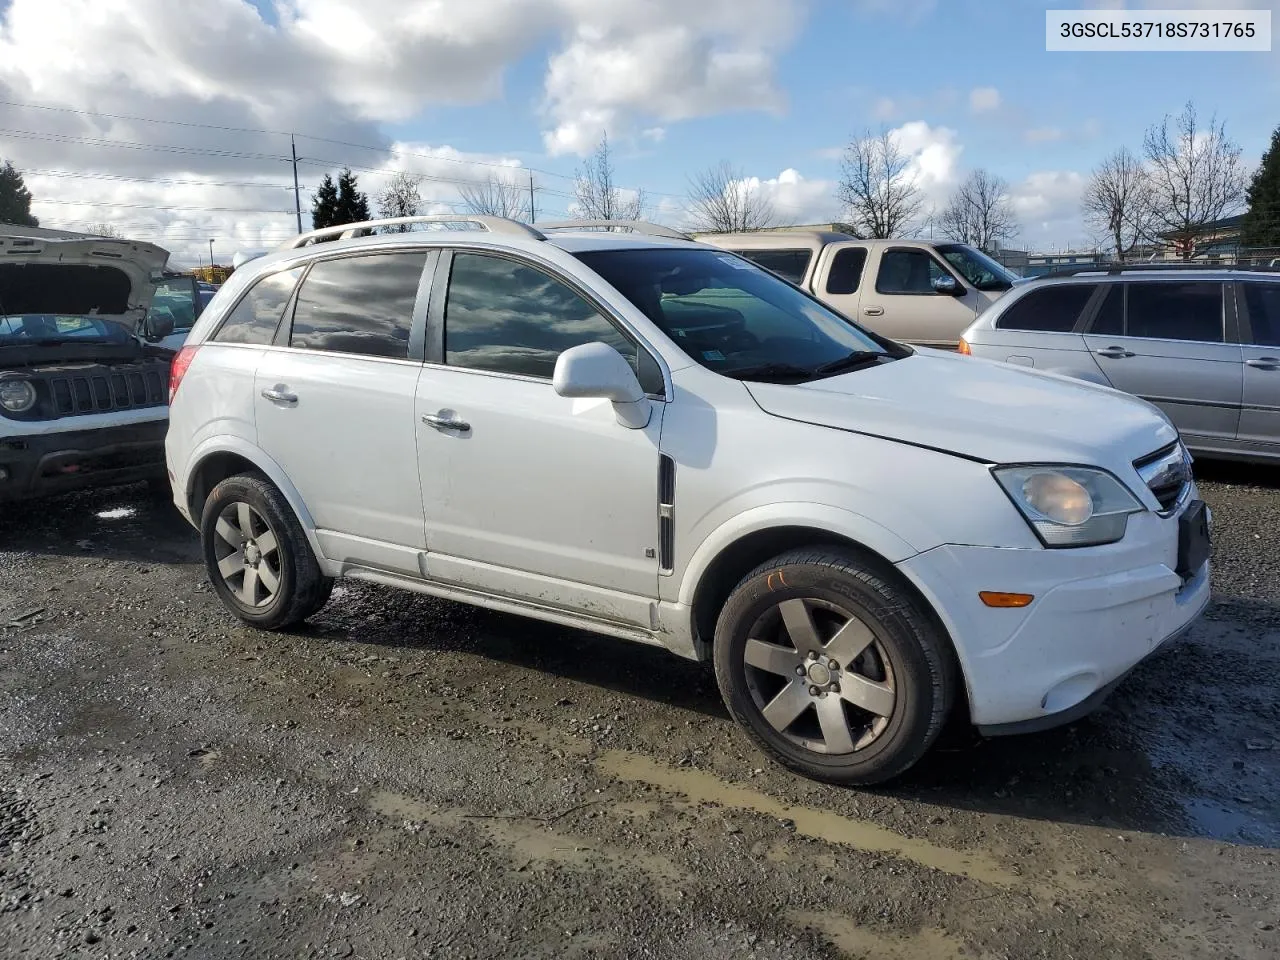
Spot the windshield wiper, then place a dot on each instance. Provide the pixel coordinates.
(769, 371)
(849, 361)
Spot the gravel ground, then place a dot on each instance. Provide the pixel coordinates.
(411, 778)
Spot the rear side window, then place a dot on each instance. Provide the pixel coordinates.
(1051, 309)
(1263, 301)
(908, 272)
(1175, 310)
(790, 264)
(360, 305)
(256, 316)
(846, 270)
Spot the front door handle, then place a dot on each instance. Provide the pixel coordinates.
(1115, 353)
(445, 423)
(1264, 363)
(873, 311)
(278, 394)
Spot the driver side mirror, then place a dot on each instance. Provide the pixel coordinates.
(948, 285)
(158, 326)
(597, 370)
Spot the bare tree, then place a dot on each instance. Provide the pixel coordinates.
(1117, 201)
(721, 199)
(878, 186)
(496, 197)
(979, 212)
(597, 196)
(401, 199)
(1195, 173)
(104, 229)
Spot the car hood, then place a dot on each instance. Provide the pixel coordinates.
(107, 278)
(975, 408)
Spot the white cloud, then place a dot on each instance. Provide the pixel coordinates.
(794, 197)
(935, 157)
(885, 108)
(1044, 135)
(1048, 208)
(984, 99)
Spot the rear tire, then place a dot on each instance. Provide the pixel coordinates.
(833, 666)
(257, 555)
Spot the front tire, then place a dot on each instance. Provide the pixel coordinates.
(257, 555)
(833, 667)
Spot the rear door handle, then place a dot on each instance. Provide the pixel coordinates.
(873, 311)
(278, 394)
(445, 423)
(1115, 353)
(1264, 363)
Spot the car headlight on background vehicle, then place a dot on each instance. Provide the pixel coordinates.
(1069, 506)
(17, 395)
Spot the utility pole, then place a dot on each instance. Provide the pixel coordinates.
(297, 201)
(211, 259)
(532, 212)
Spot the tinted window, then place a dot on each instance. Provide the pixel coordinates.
(908, 271)
(1175, 310)
(1110, 317)
(1263, 301)
(504, 316)
(846, 270)
(791, 264)
(255, 318)
(175, 299)
(1051, 309)
(359, 305)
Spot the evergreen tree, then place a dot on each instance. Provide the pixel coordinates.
(352, 206)
(15, 198)
(1261, 227)
(324, 205)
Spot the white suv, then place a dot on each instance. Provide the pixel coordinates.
(657, 440)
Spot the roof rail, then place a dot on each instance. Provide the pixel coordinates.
(366, 227)
(633, 226)
(1114, 269)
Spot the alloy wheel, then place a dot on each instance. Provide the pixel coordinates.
(248, 554)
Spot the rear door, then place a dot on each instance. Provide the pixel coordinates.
(838, 278)
(335, 399)
(1167, 342)
(1259, 305)
(1043, 329)
(904, 305)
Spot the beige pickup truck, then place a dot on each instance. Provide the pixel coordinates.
(910, 290)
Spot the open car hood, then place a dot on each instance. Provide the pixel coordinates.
(101, 277)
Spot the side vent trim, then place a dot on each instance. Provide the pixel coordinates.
(666, 514)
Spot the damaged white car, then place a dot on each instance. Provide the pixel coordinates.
(84, 381)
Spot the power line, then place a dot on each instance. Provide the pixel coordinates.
(156, 206)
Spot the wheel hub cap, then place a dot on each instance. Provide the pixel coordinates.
(252, 554)
(819, 674)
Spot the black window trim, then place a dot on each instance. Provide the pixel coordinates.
(417, 323)
(946, 268)
(435, 355)
(212, 338)
(1229, 310)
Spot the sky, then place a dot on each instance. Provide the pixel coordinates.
(170, 119)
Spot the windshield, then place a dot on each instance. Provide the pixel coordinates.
(980, 270)
(25, 329)
(175, 298)
(734, 318)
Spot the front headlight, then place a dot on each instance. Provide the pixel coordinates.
(17, 395)
(1069, 506)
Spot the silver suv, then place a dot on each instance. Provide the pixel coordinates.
(1201, 344)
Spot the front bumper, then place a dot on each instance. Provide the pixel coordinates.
(40, 464)
(1097, 613)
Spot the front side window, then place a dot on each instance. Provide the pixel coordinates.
(791, 264)
(360, 305)
(1175, 310)
(846, 270)
(981, 271)
(1263, 301)
(175, 299)
(1050, 309)
(504, 316)
(256, 316)
(908, 272)
(733, 318)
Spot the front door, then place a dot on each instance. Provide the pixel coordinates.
(1260, 411)
(334, 405)
(528, 494)
(1165, 341)
(904, 305)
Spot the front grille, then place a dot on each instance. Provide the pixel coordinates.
(1167, 473)
(108, 389)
